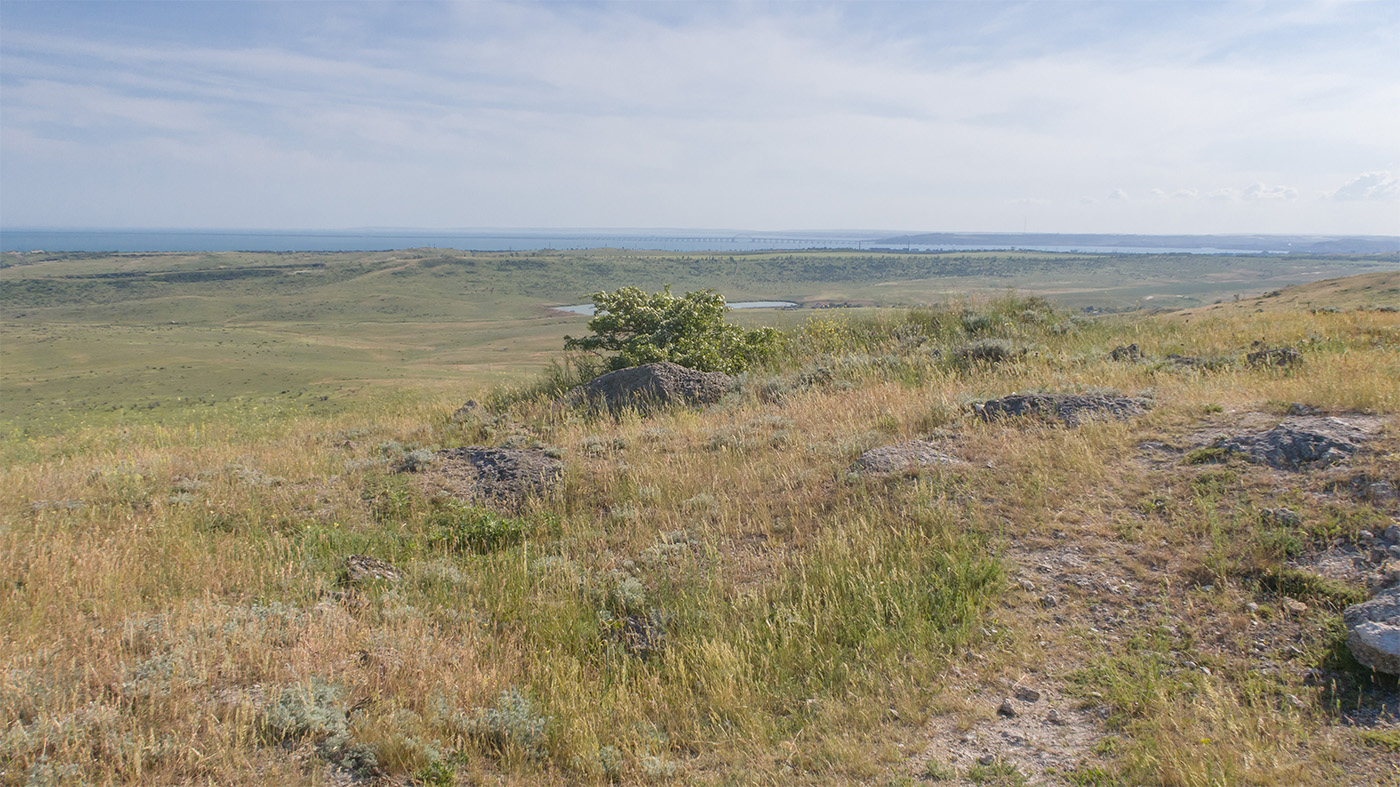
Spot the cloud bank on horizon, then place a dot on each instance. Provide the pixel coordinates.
(1143, 117)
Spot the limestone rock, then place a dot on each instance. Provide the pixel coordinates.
(493, 475)
(1299, 442)
(1071, 409)
(361, 568)
(651, 386)
(1373, 631)
(898, 457)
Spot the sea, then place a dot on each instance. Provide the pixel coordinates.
(129, 241)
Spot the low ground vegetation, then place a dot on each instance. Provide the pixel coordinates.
(728, 595)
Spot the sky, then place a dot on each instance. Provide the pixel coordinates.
(1121, 117)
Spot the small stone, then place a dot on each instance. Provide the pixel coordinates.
(1252, 607)
(1294, 701)
(1007, 709)
(1394, 551)
(363, 567)
(986, 759)
(1382, 491)
(1365, 535)
(1206, 670)
(1392, 534)
(1282, 517)
(1026, 585)
(1379, 554)
(1027, 694)
(1053, 717)
(1049, 600)
(1295, 606)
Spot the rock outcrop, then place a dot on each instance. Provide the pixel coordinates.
(1283, 357)
(901, 457)
(651, 386)
(1071, 409)
(1373, 631)
(1299, 442)
(494, 475)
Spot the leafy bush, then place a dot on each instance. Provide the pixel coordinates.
(642, 328)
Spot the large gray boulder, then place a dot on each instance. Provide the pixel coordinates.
(1373, 631)
(651, 386)
(1070, 409)
(1300, 442)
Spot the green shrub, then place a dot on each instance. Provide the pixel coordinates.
(639, 328)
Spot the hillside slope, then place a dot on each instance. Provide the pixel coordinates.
(734, 595)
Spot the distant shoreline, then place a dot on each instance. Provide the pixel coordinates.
(715, 241)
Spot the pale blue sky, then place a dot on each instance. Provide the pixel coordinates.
(1196, 117)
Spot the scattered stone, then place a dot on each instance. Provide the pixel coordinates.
(1128, 352)
(1054, 717)
(1007, 709)
(1281, 517)
(1299, 442)
(1071, 409)
(1294, 605)
(1048, 600)
(496, 475)
(642, 636)
(1298, 408)
(361, 568)
(1027, 694)
(1373, 631)
(1026, 585)
(1365, 535)
(1392, 534)
(1394, 551)
(900, 457)
(1379, 554)
(1382, 492)
(986, 760)
(651, 387)
(1281, 357)
(1192, 362)
(1252, 607)
(470, 411)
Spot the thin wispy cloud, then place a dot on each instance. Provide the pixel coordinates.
(939, 116)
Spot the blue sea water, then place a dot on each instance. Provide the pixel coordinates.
(235, 240)
(382, 240)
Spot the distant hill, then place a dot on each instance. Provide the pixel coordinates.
(1364, 291)
(1292, 244)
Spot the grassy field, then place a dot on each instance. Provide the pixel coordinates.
(171, 605)
(94, 338)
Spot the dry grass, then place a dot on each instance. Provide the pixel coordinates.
(171, 614)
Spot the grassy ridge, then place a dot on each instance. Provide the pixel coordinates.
(171, 612)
